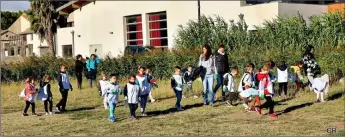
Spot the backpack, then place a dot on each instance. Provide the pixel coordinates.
(195, 73)
(22, 94)
(42, 93)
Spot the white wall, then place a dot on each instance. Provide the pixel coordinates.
(63, 37)
(36, 43)
(307, 10)
(94, 22)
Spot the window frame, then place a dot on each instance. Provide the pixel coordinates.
(127, 31)
(160, 29)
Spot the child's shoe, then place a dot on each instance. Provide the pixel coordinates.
(195, 96)
(34, 114)
(273, 115)
(51, 113)
(47, 113)
(133, 118)
(258, 110)
(112, 119)
(183, 96)
(318, 101)
(25, 114)
(144, 114)
(179, 108)
(153, 100)
(58, 109)
(245, 106)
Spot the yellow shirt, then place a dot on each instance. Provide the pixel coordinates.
(296, 69)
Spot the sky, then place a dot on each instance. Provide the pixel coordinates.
(14, 5)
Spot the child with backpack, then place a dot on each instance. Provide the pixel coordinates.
(112, 90)
(229, 85)
(152, 82)
(283, 78)
(101, 85)
(253, 96)
(247, 81)
(46, 95)
(144, 84)
(29, 98)
(177, 85)
(64, 86)
(132, 92)
(187, 78)
(266, 85)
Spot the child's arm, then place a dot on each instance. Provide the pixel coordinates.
(59, 79)
(29, 89)
(230, 83)
(172, 83)
(125, 91)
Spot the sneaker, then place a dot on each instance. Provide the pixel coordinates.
(322, 101)
(245, 106)
(144, 114)
(258, 110)
(229, 103)
(180, 109)
(318, 101)
(273, 115)
(58, 109)
(51, 113)
(133, 118)
(112, 119)
(183, 96)
(25, 114)
(34, 114)
(195, 97)
(153, 100)
(47, 113)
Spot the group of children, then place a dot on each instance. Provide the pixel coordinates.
(253, 87)
(43, 93)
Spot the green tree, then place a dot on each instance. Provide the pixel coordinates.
(42, 17)
(8, 18)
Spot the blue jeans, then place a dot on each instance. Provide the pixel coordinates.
(207, 84)
(178, 98)
(143, 101)
(220, 80)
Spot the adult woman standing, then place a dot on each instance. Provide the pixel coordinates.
(91, 66)
(206, 61)
(310, 67)
(79, 67)
(222, 67)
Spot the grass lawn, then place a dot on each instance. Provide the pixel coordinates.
(86, 116)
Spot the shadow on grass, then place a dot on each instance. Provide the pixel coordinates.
(292, 108)
(172, 110)
(335, 96)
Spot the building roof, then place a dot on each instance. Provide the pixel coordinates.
(71, 6)
(27, 31)
(25, 16)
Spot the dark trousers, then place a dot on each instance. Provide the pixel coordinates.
(79, 76)
(178, 98)
(281, 87)
(133, 108)
(92, 76)
(232, 96)
(27, 105)
(220, 80)
(269, 104)
(143, 101)
(50, 101)
(62, 103)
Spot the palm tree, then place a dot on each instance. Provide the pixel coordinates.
(42, 17)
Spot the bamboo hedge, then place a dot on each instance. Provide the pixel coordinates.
(277, 40)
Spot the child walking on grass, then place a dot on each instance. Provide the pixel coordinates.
(144, 84)
(45, 85)
(29, 99)
(253, 96)
(112, 90)
(101, 85)
(283, 78)
(150, 79)
(131, 93)
(247, 81)
(229, 85)
(177, 86)
(267, 87)
(64, 87)
(189, 82)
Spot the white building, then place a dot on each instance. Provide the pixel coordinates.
(106, 27)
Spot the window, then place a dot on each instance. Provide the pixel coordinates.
(32, 36)
(18, 53)
(67, 51)
(158, 29)
(134, 30)
(12, 52)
